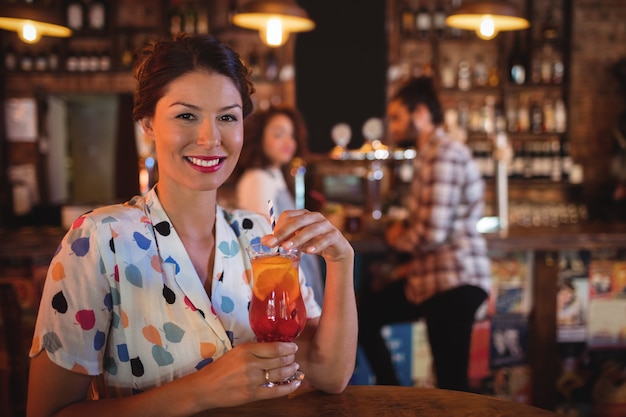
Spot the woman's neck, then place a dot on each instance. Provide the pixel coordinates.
(192, 213)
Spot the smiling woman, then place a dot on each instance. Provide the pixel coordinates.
(159, 285)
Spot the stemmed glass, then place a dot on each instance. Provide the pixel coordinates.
(277, 311)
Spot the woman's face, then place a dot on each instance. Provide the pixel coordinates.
(198, 131)
(279, 142)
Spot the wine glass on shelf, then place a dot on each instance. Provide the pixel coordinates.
(277, 311)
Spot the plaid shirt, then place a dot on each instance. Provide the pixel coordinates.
(441, 233)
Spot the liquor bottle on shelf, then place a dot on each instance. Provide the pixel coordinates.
(271, 65)
(493, 73)
(423, 21)
(448, 76)
(71, 63)
(176, 22)
(93, 58)
(27, 61)
(53, 59)
(560, 116)
(97, 16)
(556, 173)
(10, 58)
(75, 15)
(455, 32)
(536, 117)
(439, 20)
(189, 20)
(105, 61)
(83, 61)
(517, 62)
(566, 161)
(481, 73)
(523, 114)
(511, 114)
(517, 163)
(407, 19)
(253, 63)
(127, 55)
(549, 120)
(464, 76)
(547, 59)
(41, 61)
(202, 23)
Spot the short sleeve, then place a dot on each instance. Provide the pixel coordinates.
(75, 310)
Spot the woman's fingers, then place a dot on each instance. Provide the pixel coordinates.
(310, 231)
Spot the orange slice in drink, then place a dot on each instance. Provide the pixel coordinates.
(275, 274)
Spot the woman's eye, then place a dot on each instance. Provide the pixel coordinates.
(186, 116)
(228, 118)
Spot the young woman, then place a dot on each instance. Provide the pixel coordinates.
(149, 298)
(273, 138)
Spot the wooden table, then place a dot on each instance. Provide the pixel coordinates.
(383, 401)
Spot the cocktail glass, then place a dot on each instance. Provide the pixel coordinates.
(277, 311)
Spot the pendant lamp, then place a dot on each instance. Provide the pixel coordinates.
(487, 18)
(274, 19)
(31, 22)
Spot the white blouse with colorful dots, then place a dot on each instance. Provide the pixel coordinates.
(123, 300)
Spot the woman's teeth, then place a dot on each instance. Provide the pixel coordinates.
(203, 162)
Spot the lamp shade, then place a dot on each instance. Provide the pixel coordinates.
(274, 19)
(31, 22)
(487, 18)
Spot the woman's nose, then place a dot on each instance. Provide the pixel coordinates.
(209, 135)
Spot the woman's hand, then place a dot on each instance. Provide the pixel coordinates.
(239, 376)
(328, 366)
(311, 232)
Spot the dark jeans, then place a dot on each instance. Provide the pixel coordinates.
(449, 319)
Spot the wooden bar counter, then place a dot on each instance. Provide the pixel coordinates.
(383, 401)
(34, 247)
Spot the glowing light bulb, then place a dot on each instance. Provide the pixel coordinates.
(274, 34)
(487, 28)
(29, 32)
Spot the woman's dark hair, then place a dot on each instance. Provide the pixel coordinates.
(421, 90)
(159, 63)
(252, 154)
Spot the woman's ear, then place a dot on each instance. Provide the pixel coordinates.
(146, 124)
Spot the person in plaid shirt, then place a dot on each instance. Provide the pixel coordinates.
(446, 275)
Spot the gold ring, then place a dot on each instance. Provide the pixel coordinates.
(267, 376)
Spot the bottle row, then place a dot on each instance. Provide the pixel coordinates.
(542, 160)
(424, 19)
(528, 113)
(523, 114)
(188, 19)
(543, 65)
(467, 73)
(53, 61)
(87, 16)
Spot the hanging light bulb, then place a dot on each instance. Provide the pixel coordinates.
(31, 23)
(487, 28)
(29, 32)
(487, 18)
(273, 34)
(274, 19)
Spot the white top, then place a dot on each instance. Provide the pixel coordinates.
(257, 186)
(123, 300)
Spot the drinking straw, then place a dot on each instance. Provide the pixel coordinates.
(270, 206)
